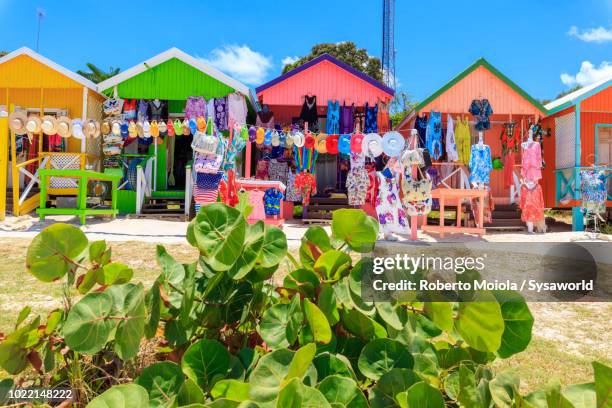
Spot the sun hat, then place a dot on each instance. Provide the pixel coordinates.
(193, 126)
(252, 134)
(275, 139)
(186, 128)
(154, 128)
(77, 129)
(64, 127)
(268, 138)
(139, 129)
(298, 139)
(91, 128)
(393, 143)
(244, 133)
(283, 138)
(33, 124)
(356, 143)
(332, 144)
(309, 141)
(163, 128)
(146, 129)
(133, 130)
(104, 128)
(372, 145)
(289, 139)
(201, 123)
(49, 125)
(17, 121)
(178, 127)
(170, 127)
(344, 143)
(320, 144)
(260, 136)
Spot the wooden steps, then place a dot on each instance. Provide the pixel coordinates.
(506, 217)
(320, 209)
(163, 207)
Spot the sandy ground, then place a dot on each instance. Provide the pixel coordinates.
(160, 231)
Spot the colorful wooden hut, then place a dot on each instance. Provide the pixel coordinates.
(510, 103)
(581, 137)
(171, 76)
(31, 82)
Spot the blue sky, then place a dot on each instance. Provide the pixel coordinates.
(533, 42)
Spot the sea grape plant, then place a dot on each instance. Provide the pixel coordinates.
(250, 325)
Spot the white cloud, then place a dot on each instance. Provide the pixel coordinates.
(596, 35)
(588, 74)
(240, 62)
(289, 60)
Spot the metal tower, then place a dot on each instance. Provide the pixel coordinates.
(388, 48)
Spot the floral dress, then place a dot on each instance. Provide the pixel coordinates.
(480, 164)
(357, 180)
(532, 161)
(391, 215)
(593, 191)
(532, 203)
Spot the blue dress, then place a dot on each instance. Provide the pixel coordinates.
(433, 138)
(371, 124)
(480, 164)
(332, 126)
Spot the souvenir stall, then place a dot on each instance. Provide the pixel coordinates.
(577, 152)
(313, 110)
(153, 112)
(50, 110)
(472, 129)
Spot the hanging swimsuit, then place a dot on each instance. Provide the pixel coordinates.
(333, 118)
(309, 112)
(347, 119)
(370, 119)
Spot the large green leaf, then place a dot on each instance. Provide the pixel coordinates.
(52, 251)
(333, 265)
(518, 323)
(328, 304)
(153, 309)
(603, 384)
(274, 247)
(162, 380)
(206, 362)
(582, 395)
(219, 232)
(314, 242)
(302, 360)
(122, 396)
(13, 356)
(273, 326)
(342, 392)
(393, 315)
(356, 228)
(421, 395)
(190, 393)
(441, 313)
(380, 356)
(89, 323)
(189, 287)
(296, 320)
(480, 322)
(131, 328)
(114, 273)
(317, 322)
(5, 386)
(469, 395)
(297, 395)
(361, 325)
(333, 364)
(251, 251)
(171, 278)
(231, 389)
(303, 281)
(394, 382)
(502, 389)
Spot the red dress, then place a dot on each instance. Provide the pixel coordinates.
(532, 203)
(306, 184)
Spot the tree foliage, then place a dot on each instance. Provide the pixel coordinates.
(346, 52)
(97, 75)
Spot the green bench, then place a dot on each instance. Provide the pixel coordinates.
(83, 177)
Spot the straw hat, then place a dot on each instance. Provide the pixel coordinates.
(77, 129)
(332, 144)
(17, 121)
(298, 139)
(49, 125)
(372, 145)
(259, 136)
(146, 129)
(92, 129)
(289, 139)
(320, 144)
(132, 131)
(64, 126)
(275, 139)
(393, 143)
(104, 128)
(33, 124)
(116, 128)
(139, 129)
(244, 133)
(356, 143)
(186, 128)
(344, 144)
(154, 128)
(163, 128)
(201, 123)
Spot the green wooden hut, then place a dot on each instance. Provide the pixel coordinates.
(172, 76)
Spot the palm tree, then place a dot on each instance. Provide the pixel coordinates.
(96, 75)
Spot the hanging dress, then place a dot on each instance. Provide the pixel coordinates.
(237, 108)
(451, 146)
(332, 126)
(509, 143)
(347, 119)
(221, 113)
(195, 107)
(309, 112)
(480, 164)
(370, 125)
(532, 203)
(462, 140)
(357, 180)
(391, 215)
(420, 124)
(531, 161)
(433, 137)
(593, 191)
(382, 118)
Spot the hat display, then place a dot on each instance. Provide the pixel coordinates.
(372, 145)
(104, 128)
(33, 124)
(193, 126)
(244, 133)
(320, 143)
(275, 139)
(393, 143)
(64, 126)
(289, 139)
(268, 137)
(356, 143)
(163, 128)
(332, 144)
(154, 128)
(298, 139)
(178, 127)
(17, 121)
(252, 133)
(186, 128)
(344, 144)
(260, 135)
(49, 125)
(146, 129)
(170, 127)
(283, 138)
(77, 129)
(116, 128)
(133, 130)
(91, 128)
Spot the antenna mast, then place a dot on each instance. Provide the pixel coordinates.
(388, 49)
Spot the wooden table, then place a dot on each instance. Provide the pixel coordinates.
(446, 195)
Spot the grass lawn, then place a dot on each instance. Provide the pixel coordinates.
(567, 336)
